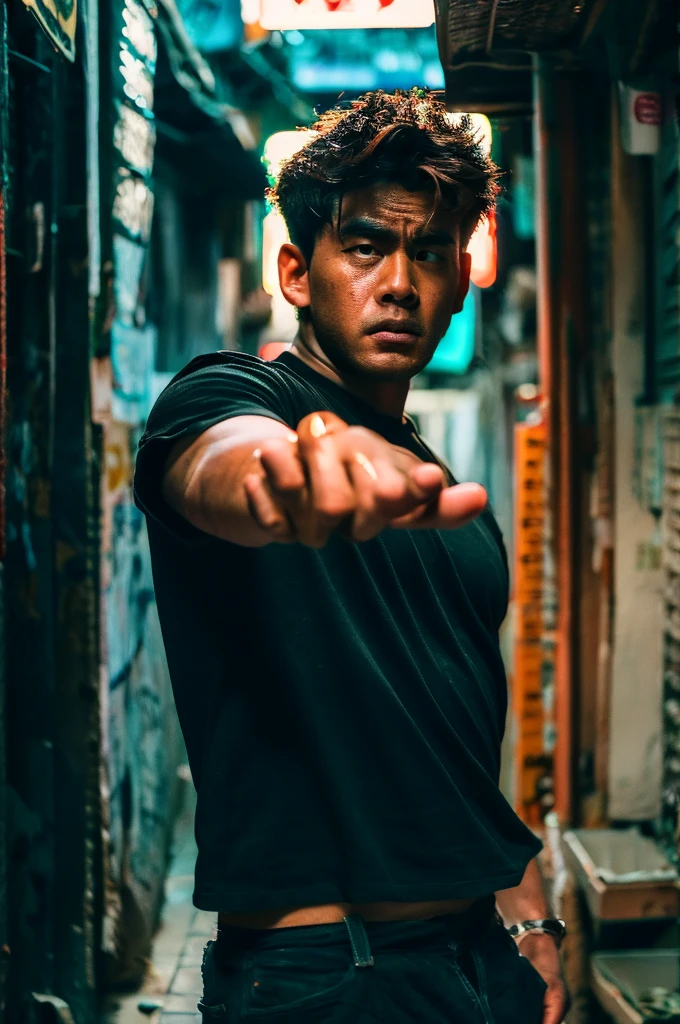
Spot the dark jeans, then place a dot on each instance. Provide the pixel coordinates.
(447, 970)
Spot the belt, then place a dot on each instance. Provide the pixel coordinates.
(366, 936)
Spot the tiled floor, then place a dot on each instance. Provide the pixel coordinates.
(174, 978)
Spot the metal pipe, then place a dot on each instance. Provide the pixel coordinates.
(558, 304)
(649, 391)
(542, 205)
(21, 58)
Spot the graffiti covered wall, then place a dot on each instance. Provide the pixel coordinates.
(142, 742)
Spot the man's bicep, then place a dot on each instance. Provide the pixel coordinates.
(216, 389)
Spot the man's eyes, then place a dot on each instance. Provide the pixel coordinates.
(361, 249)
(428, 256)
(422, 255)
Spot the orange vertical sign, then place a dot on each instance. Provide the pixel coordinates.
(528, 655)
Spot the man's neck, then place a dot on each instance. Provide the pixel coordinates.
(387, 397)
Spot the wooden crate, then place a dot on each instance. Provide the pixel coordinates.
(656, 897)
(620, 978)
(610, 999)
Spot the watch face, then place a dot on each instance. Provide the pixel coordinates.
(548, 926)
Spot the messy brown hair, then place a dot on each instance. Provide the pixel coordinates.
(400, 137)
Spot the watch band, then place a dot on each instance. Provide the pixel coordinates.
(544, 926)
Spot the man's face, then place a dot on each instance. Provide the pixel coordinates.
(383, 287)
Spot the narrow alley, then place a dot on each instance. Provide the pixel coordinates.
(339, 510)
(172, 986)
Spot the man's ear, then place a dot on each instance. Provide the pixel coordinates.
(294, 276)
(463, 281)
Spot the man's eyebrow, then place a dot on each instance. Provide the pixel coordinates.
(374, 229)
(435, 238)
(366, 226)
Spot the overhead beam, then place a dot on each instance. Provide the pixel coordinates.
(596, 12)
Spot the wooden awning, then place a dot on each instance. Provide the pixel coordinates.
(485, 47)
(491, 26)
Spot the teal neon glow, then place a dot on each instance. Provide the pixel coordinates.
(457, 347)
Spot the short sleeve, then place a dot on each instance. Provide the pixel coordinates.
(210, 389)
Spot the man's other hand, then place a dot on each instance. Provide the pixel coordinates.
(329, 476)
(541, 950)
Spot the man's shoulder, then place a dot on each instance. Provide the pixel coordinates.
(237, 371)
(227, 361)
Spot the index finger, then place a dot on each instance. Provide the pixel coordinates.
(454, 507)
(428, 478)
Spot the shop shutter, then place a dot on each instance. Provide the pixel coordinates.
(667, 318)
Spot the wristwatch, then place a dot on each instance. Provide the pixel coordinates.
(544, 926)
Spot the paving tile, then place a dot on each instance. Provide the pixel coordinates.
(177, 915)
(172, 934)
(188, 979)
(123, 1010)
(205, 923)
(165, 961)
(192, 952)
(180, 1002)
(159, 977)
(174, 976)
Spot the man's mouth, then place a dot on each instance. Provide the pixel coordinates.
(395, 332)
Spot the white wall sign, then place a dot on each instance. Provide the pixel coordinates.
(641, 115)
(309, 14)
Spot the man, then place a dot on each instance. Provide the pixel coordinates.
(330, 602)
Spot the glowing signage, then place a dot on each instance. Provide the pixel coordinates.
(274, 235)
(311, 14)
(281, 146)
(484, 252)
(481, 125)
(277, 149)
(482, 246)
(456, 349)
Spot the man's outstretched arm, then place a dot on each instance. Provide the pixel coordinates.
(253, 481)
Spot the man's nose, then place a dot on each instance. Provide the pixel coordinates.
(397, 285)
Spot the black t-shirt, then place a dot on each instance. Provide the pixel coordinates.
(342, 708)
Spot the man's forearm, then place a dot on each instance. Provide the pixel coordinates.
(526, 901)
(215, 499)
(204, 478)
